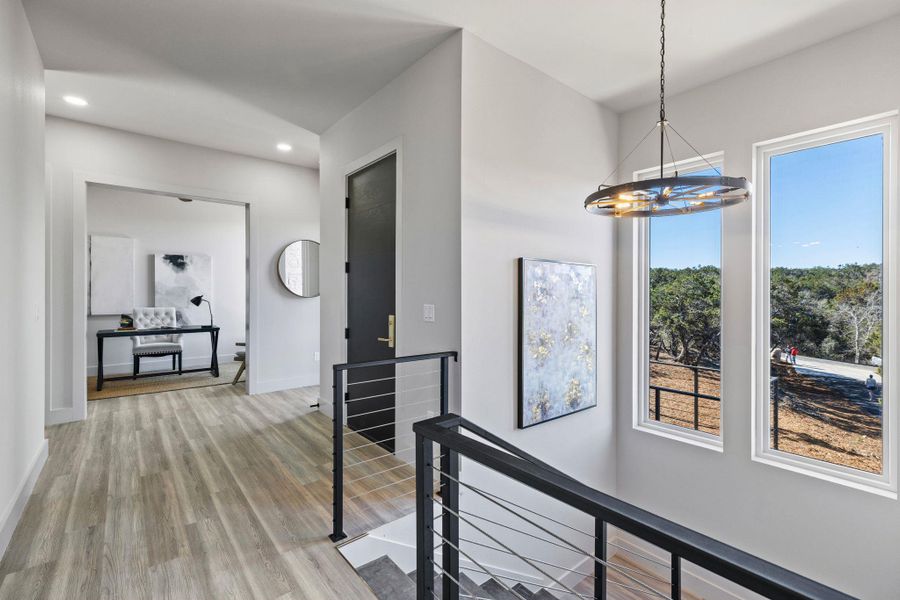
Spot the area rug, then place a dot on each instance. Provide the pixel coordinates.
(163, 383)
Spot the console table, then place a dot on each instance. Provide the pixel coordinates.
(213, 332)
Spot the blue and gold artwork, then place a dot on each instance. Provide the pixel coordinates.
(557, 339)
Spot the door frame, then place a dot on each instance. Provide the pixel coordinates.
(81, 182)
(394, 146)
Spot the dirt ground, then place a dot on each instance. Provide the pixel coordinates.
(815, 420)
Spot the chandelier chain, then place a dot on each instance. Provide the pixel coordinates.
(662, 62)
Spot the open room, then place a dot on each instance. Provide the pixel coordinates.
(498, 300)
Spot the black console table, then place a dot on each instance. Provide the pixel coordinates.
(213, 332)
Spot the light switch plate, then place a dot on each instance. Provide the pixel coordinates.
(428, 312)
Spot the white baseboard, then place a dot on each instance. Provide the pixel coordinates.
(58, 416)
(161, 364)
(288, 383)
(16, 507)
(325, 407)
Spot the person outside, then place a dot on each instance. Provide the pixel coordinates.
(794, 353)
(872, 387)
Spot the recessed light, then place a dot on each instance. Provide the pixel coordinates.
(75, 100)
(284, 147)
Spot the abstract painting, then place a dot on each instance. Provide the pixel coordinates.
(180, 277)
(112, 275)
(557, 339)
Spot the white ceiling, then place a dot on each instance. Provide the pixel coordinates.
(242, 75)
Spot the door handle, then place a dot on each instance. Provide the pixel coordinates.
(390, 338)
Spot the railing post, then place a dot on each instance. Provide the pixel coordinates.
(424, 520)
(445, 385)
(600, 552)
(337, 458)
(775, 415)
(676, 577)
(450, 523)
(657, 404)
(696, 398)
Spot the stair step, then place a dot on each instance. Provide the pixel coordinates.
(544, 595)
(496, 591)
(468, 588)
(387, 580)
(523, 591)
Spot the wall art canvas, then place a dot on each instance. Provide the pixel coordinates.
(180, 277)
(112, 275)
(557, 339)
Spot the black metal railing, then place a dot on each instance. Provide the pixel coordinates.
(375, 440)
(510, 464)
(695, 394)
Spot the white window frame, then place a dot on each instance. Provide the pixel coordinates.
(886, 124)
(641, 322)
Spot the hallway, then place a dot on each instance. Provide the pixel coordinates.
(200, 493)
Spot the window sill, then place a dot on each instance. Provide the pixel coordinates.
(679, 434)
(845, 476)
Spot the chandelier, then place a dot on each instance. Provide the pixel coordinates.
(664, 196)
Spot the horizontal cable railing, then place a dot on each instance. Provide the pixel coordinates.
(695, 394)
(366, 455)
(494, 525)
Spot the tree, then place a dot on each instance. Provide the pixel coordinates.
(857, 313)
(685, 314)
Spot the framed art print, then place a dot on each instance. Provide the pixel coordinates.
(557, 339)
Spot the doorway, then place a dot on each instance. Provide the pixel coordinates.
(371, 299)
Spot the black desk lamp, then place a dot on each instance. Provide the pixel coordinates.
(196, 300)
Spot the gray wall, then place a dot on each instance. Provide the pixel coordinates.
(844, 537)
(284, 208)
(421, 110)
(22, 445)
(532, 149)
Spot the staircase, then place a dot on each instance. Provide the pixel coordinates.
(389, 582)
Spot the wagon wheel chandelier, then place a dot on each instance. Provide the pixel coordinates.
(664, 196)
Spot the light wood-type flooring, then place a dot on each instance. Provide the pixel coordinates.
(194, 494)
(199, 494)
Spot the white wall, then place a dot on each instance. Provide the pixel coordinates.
(283, 207)
(420, 109)
(532, 150)
(165, 225)
(22, 445)
(844, 537)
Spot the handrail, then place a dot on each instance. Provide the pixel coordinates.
(683, 543)
(684, 392)
(696, 394)
(396, 361)
(338, 405)
(674, 364)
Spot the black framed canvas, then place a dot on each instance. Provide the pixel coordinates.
(557, 340)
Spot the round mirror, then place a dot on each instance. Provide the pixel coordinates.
(298, 268)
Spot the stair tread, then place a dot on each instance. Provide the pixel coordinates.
(496, 590)
(468, 587)
(523, 591)
(387, 580)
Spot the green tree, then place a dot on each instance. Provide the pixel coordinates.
(685, 314)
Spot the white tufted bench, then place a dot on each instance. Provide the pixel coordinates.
(154, 317)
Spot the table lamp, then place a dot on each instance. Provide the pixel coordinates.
(196, 300)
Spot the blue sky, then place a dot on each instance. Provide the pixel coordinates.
(826, 205)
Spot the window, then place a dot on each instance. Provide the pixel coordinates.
(822, 298)
(679, 259)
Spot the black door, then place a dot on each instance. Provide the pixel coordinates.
(371, 277)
